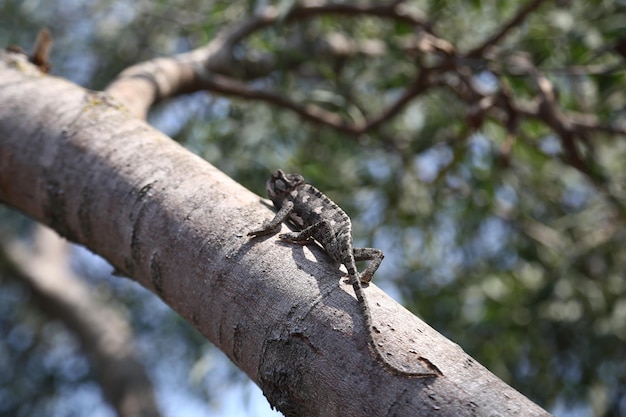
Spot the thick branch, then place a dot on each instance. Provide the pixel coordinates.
(104, 336)
(208, 68)
(75, 160)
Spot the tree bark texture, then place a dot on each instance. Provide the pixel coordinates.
(81, 163)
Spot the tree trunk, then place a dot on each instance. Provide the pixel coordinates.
(79, 162)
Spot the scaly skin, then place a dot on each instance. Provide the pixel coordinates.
(317, 217)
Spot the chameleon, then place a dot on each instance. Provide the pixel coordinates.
(318, 218)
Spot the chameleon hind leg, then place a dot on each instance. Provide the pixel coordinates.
(368, 254)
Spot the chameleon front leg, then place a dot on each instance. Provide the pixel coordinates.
(271, 227)
(321, 231)
(368, 254)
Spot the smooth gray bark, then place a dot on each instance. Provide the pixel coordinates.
(79, 162)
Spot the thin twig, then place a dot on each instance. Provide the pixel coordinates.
(504, 30)
(313, 113)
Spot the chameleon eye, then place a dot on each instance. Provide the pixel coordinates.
(280, 185)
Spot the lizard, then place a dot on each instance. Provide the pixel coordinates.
(317, 217)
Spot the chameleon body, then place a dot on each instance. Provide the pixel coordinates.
(317, 217)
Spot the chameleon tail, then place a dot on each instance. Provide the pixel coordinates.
(362, 301)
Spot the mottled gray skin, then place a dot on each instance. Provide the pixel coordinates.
(317, 217)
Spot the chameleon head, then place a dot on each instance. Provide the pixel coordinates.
(281, 184)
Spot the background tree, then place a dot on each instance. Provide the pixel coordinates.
(476, 143)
